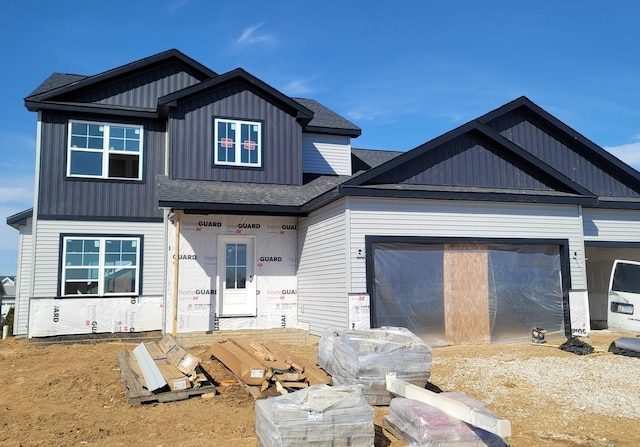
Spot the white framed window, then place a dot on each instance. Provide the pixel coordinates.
(100, 266)
(237, 143)
(104, 150)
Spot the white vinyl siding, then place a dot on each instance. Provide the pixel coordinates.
(48, 258)
(21, 310)
(326, 154)
(322, 274)
(461, 219)
(611, 225)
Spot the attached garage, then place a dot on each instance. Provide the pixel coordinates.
(462, 292)
(509, 222)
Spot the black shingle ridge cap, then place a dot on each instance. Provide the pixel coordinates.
(141, 63)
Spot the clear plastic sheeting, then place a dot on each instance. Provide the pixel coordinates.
(523, 283)
(409, 288)
(364, 357)
(319, 415)
(422, 425)
(525, 291)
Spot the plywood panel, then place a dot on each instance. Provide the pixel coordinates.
(466, 294)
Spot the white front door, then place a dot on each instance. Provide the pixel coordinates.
(236, 276)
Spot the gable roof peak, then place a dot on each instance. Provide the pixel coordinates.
(45, 94)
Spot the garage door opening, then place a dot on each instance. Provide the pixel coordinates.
(600, 257)
(454, 292)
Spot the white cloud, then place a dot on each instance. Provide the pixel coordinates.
(176, 4)
(297, 87)
(16, 194)
(250, 36)
(629, 153)
(364, 113)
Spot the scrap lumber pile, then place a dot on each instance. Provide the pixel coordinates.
(162, 372)
(266, 367)
(319, 415)
(421, 417)
(365, 357)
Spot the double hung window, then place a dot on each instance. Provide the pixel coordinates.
(237, 143)
(100, 266)
(101, 150)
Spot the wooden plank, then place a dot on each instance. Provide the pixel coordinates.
(290, 377)
(284, 354)
(243, 365)
(466, 294)
(269, 359)
(314, 374)
(459, 410)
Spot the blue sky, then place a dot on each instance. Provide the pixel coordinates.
(404, 71)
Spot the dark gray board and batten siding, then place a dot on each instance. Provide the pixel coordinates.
(564, 155)
(140, 89)
(458, 162)
(191, 137)
(93, 199)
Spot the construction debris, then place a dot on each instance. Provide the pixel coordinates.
(365, 357)
(318, 415)
(472, 413)
(268, 368)
(162, 372)
(576, 346)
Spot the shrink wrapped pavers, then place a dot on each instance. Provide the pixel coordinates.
(366, 356)
(320, 416)
(325, 348)
(422, 425)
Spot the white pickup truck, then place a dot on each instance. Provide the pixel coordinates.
(624, 296)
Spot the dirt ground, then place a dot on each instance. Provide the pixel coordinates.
(72, 395)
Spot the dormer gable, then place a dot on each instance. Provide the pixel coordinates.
(256, 85)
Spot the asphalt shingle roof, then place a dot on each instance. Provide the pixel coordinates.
(56, 80)
(326, 118)
(246, 194)
(363, 159)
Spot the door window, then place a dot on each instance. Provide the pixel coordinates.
(236, 266)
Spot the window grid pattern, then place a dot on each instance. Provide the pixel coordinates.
(102, 150)
(236, 266)
(100, 266)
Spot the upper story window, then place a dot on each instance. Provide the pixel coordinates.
(237, 143)
(101, 150)
(100, 266)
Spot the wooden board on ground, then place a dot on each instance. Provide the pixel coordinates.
(137, 394)
(280, 372)
(480, 418)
